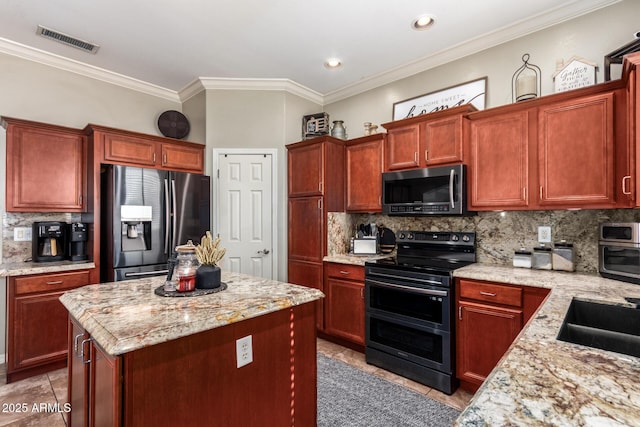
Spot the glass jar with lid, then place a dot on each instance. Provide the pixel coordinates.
(541, 258)
(186, 268)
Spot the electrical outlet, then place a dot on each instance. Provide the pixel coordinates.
(22, 234)
(244, 351)
(544, 234)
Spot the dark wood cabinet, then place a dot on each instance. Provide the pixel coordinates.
(37, 322)
(499, 161)
(426, 140)
(148, 151)
(555, 152)
(344, 305)
(576, 152)
(95, 381)
(46, 167)
(489, 317)
(364, 167)
(315, 186)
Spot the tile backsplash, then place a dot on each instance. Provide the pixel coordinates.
(13, 251)
(498, 234)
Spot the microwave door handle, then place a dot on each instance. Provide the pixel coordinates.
(451, 180)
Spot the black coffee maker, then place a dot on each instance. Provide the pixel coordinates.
(48, 241)
(77, 236)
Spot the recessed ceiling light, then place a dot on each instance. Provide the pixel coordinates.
(332, 63)
(423, 22)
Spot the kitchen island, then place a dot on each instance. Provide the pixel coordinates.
(137, 358)
(543, 381)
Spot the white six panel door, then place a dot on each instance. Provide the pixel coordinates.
(245, 224)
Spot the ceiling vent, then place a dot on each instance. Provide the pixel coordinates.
(66, 39)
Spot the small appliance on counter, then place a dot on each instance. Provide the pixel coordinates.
(77, 236)
(48, 241)
(619, 251)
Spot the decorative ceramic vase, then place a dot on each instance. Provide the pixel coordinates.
(338, 130)
(208, 277)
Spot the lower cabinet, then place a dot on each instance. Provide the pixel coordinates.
(94, 382)
(489, 317)
(37, 322)
(344, 302)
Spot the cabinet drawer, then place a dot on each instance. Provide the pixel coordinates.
(345, 271)
(491, 293)
(50, 282)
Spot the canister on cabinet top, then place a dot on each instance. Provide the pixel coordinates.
(541, 258)
(563, 256)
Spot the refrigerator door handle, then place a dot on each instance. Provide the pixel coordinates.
(167, 217)
(173, 208)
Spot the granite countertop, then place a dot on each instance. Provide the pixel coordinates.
(543, 381)
(126, 316)
(353, 259)
(26, 268)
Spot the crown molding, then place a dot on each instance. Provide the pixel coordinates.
(486, 41)
(286, 85)
(45, 58)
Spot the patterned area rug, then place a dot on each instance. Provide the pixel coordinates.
(348, 396)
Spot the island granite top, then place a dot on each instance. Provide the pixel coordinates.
(127, 316)
(543, 381)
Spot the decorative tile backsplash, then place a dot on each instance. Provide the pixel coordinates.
(498, 234)
(13, 251)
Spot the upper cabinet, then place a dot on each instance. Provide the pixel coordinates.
(135, 149)
(306, 170)
(426, 140)
(364, 166)
(46, 167)
(555, 152)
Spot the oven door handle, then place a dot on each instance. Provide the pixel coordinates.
(409, 289)
(392, 276)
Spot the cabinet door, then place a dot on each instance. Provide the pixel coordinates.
(46, 170)
(365, 163)
(575, 149)
(484, 333)
(306, 229)
(306, 170)
(129, 150)
(183, 158)
(344, 308)
(403, 147)
(78, 380)
(308, 274)
(105, 388)
(37, 322)
(442, 141)
(499, 161)
(38, 331)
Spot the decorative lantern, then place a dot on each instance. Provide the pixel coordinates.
(526, 83)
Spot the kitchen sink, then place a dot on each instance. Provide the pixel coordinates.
(604, 326)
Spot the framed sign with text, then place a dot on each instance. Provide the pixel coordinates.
(473, 92)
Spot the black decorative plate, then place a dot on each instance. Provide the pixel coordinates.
(195, 293)
(173, 124)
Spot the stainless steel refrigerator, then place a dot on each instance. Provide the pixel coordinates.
(146, 213)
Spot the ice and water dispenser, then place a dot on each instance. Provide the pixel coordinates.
(136, 227)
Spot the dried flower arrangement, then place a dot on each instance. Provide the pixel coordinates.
(209, 251)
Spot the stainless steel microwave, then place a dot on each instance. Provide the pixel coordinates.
(619, 251)
(429, 191)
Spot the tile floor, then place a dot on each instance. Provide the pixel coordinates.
(51, 388)
(32, 402)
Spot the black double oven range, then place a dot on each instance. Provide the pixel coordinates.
(410, 306)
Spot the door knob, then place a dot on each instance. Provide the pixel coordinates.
(264, 251)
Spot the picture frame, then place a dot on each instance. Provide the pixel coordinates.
(472, 92)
